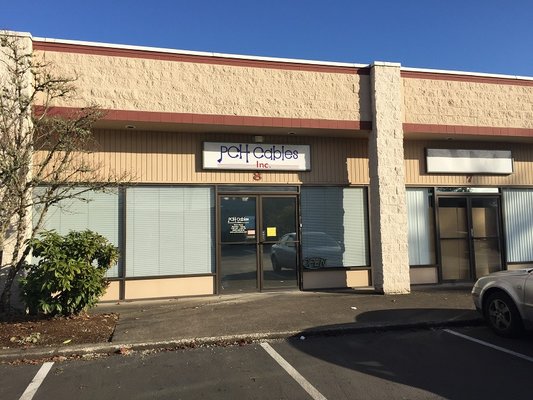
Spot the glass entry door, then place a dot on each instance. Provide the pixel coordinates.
(238, 243)
(258, 242)
(470, 237)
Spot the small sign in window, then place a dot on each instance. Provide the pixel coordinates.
(271, 231)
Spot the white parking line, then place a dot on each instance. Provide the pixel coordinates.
(492, 346)
(304, 383)
(36, 381)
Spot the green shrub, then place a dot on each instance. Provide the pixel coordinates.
(70, 274)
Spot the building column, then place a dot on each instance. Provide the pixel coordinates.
(389, 237)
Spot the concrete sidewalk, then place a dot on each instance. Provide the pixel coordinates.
(238, 318)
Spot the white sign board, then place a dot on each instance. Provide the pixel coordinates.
(256, 156)
(455, 161)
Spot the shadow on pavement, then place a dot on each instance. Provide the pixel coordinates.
(436, 363)
(400, 319)
(416, 315)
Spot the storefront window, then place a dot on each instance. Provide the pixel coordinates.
(421, 226)
(169, 231)
(518, 217)
(334, 227)
(98, 211)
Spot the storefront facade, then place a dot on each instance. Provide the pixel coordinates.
(256, 174)
(224, 237)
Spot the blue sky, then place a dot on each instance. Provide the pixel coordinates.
(469, 35)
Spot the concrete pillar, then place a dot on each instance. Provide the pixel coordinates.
(389, 240)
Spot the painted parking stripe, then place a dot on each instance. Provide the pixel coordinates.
(304, 383)
(36, 381)
(492, 346)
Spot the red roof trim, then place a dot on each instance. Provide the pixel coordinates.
(465, 78)
(155, 55)
(223, 120)
(467, 130)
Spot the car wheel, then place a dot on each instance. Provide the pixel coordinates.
(502, 315)
(275, 264)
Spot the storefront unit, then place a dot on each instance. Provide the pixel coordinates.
(269, 232)
(478, 224)
(257, 174)
(469, 173)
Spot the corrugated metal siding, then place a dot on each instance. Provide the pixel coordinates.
(169, 157)
(415, 168)
(518, 216)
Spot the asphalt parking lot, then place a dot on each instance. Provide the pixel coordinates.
(458, 363)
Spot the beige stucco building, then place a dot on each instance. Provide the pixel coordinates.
(254, 173)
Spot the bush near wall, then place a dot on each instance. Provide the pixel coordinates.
(69, 276)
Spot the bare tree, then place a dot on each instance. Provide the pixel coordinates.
(43, 152)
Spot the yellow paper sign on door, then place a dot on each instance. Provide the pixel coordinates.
(271, 231)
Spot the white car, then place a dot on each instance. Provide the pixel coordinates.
(505, 299)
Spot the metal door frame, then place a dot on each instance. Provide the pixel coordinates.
(259, 195)
(472, 259)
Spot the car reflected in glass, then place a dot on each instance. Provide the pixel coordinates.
(319, 250)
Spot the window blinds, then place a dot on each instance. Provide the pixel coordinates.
(169, 231)
(99, 212)
(518, 217)
(419, 227)
(341, 214)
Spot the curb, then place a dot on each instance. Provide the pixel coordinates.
(37, 354)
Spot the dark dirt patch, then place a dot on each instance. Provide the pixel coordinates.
(58, 331)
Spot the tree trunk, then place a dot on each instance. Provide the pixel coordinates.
(5, 299)
(13, 270)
